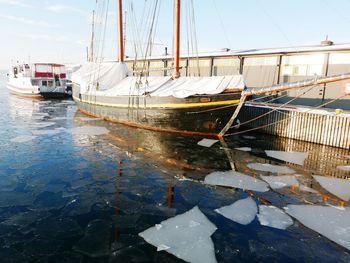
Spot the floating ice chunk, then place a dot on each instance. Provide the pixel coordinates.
(330, 222)
(273, 217)
(290, 157)
(344, 168)
(336, 186)
(190, 243)
(244, 149)
(89, 130)
(277, 182)
(305, 188)
(45, 132)
(23, 138)
(242, 211)
(236, 180)
(42, 124)
(265, 167)
(207, 142)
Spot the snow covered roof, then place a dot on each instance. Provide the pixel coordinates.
(261, 52)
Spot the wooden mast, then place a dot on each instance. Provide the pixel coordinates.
(177, 39)
(92, 37)
(120, 29)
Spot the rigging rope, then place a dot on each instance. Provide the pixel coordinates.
(276, 109)
(291, 117)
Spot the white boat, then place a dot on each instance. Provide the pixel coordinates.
(38, 80)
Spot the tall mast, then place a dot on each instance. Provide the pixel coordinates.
(177, 39)
(92, 37)
(120, 28)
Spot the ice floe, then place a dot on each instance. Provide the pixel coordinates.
(42, 124)
(236, 180)
(265, 167)
(336, 186)
(23, 138)
(207, 142)
(330, 222)
(277, 182)
(186, 236)
(290, 157)
(344, 168)
(274, 217)
(89, 130)
(242, 211)
(244, 149)
(45, 132)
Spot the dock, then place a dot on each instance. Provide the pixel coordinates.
(322, 126)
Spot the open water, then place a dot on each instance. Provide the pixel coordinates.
(78, 189)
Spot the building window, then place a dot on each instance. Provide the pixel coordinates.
(302, 65)
(260, 61)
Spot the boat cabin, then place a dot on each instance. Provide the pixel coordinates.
(42, 74)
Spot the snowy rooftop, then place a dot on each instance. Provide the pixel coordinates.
(263, 51)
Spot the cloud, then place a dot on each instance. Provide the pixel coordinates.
(64, 8)
(15, 3)
(27, 21)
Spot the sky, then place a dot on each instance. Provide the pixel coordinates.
(60, 30)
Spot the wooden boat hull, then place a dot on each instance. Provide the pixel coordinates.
(197, 115)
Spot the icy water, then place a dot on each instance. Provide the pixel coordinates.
(78, 189)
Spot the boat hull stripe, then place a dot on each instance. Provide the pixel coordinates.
(169, 105)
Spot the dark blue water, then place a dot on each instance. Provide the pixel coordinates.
(66, 196)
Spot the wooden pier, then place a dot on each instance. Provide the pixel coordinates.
(321, 126)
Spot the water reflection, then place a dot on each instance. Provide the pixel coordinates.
(83, 189)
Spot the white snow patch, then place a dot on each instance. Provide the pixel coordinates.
(344, 168)
(89, 130)
(236, 180)
(207, 142)
(274, 217)
(330, 222)
(336, 186)
(244, 149)
(277, 182)
(178, 236)
(242, 211)
(265, 167)
(23, 138)
(290, 157)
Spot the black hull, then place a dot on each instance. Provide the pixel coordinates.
(197, 115)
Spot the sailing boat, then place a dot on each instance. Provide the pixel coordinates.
(205, 106)
(188, 105)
